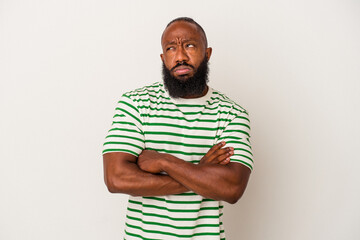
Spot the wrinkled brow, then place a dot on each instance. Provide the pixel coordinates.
(174, 42)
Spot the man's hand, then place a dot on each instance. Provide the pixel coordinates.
(218, 155)
(149, 161)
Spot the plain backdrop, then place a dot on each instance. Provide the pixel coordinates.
(294, 65)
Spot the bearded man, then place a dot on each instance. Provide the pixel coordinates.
(178, 148)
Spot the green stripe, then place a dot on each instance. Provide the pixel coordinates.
(125, 130)
(184, 105)
(242, 117)
(178, 143)
(125, 136)
(124, 143)
(233, 137)
(195, 161)
(226, 100)
(144, 90)
(119, 115)
(120, 150)
(239, 124)
(129, 105)
(123, 110)
(137, 235)
(154, 85)
(190, 105)
(177, 152)
(171, 226)
(186, 194)
(237, 142)
(150, 96)
(123, 122)
(172, 210)
(237, 131)
(172, 218)
(172, 234)
(143, 238)
(180, 135)
(148, 100)
(179, 202)
(241, 155)
(187, 120)
(235, 160)
(187, 113)
(182, 126)
(244, 150)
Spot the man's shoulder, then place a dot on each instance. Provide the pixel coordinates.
(224, 101)
(154, 88)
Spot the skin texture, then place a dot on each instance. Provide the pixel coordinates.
(214, 177)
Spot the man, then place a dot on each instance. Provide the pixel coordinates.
(178, 148)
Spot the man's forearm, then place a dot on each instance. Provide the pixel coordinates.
(219, 182)
(127, 177)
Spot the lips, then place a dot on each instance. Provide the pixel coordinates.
(182, 70)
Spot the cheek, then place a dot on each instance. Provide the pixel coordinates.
(168, 61)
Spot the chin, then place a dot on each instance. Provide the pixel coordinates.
(182, 78)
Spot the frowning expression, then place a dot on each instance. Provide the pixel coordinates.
(184, 48)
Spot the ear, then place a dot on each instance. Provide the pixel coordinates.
(162, 57)
(208, 52)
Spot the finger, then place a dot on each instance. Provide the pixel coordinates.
(226, 161)
(225, 155)
(220, 155)
(215, 148)
(222, 152)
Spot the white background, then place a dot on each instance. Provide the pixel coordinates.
(294, 65)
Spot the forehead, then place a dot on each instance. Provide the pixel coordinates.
(181, 30)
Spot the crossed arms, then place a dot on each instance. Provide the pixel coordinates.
(214, 177)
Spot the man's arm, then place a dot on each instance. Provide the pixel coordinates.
(216, 181)
(123, 175)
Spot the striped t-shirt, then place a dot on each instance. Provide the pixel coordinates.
(148, 118)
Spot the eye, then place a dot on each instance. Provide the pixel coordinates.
(190, 45)
(170, 48)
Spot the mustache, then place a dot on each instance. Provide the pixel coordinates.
(182, 64)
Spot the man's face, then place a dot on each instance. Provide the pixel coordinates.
(184, 49)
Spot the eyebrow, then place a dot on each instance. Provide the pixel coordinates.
(174, 42)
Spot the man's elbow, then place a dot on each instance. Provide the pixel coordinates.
(111, 188)
(235, 195)
(114, 184)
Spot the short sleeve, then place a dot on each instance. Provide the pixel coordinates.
(237, 135)
(125, 134)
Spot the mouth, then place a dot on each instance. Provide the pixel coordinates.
(182, 70)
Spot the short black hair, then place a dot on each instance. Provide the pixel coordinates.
(189, 20)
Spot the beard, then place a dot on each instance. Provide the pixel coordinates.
(182, 87)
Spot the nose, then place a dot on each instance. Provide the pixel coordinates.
(181, 55)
